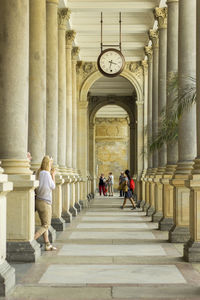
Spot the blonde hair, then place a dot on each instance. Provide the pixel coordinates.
(45, 165)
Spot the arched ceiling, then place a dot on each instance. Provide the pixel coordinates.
(110, 111)
(137, 19)
(116, 86)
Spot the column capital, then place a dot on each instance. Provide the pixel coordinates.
(70, 36)
(52, 1)
(139, 103)
(144, 63)
(63, 17)
(160, 14)
(148, 51)
(75, 52)
(153, 36)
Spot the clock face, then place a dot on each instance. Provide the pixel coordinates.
(111, 62)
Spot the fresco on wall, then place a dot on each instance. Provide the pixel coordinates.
(112, 147)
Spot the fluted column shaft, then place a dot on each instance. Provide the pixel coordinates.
(148, 52)
(161, 15)
(52, 80)
(37, 82)
(63, 16)
(70, 35)
(172, 149)
(187, 123)
(75, 53)
(14, 74)
(192, 248)
(145, 112)
(172, 67)
(155, 42)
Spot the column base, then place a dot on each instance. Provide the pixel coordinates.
(78, 206)
(151, 211)
(191, 252)
(7, 278)
(67, 216)
(23, 251)
(166, 224)
(58, 224)
(84, 203)
(179, 234)
(157, 216)
(73, 211)
(146, 207)
(52, 236)
(142, 204)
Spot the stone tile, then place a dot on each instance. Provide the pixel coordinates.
(156, 292)
(112, 250)
(112, 274)
(111, 235)
(113, 225)
(63, 293)
(116, 219)
(115, 213)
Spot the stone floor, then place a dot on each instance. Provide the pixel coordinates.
(109, 253)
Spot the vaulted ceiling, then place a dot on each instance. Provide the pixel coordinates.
(137, 19)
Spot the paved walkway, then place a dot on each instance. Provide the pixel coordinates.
(109, 253)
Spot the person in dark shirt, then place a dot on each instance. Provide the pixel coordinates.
(102, 181)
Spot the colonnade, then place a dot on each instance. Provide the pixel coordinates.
(171, 181)
(38, 114)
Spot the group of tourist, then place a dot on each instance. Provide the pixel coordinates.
(126, 187)
(106, 185)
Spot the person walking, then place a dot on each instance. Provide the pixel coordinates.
(128, 187)
(102, 181)
(121, 180)
(43, 202)
(110, 184)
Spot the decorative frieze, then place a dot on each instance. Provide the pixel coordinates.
(160, 14)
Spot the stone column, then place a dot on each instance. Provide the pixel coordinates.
(92, 167)
(66, 215)
(192, 247)
(153, 34)
(140, 145)
(70, 35)
(161, 16)
(187, 123)
(7, 273)
(63, 17)
(148, 52)
(83, 148)
(52, 107)
(37, 82)
(14, 52)
(172, 149)
(145, 135)
(75, 53)
(52, 79)
(73, 210)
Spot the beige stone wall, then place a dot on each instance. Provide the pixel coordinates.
(112, 146)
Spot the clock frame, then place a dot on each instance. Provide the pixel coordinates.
(108, 74)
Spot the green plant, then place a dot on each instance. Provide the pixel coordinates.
(182, 99)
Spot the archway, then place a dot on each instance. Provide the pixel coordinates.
(111, 94)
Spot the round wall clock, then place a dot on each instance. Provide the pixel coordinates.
(111, 62)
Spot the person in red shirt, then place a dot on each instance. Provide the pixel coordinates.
(129, 187)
